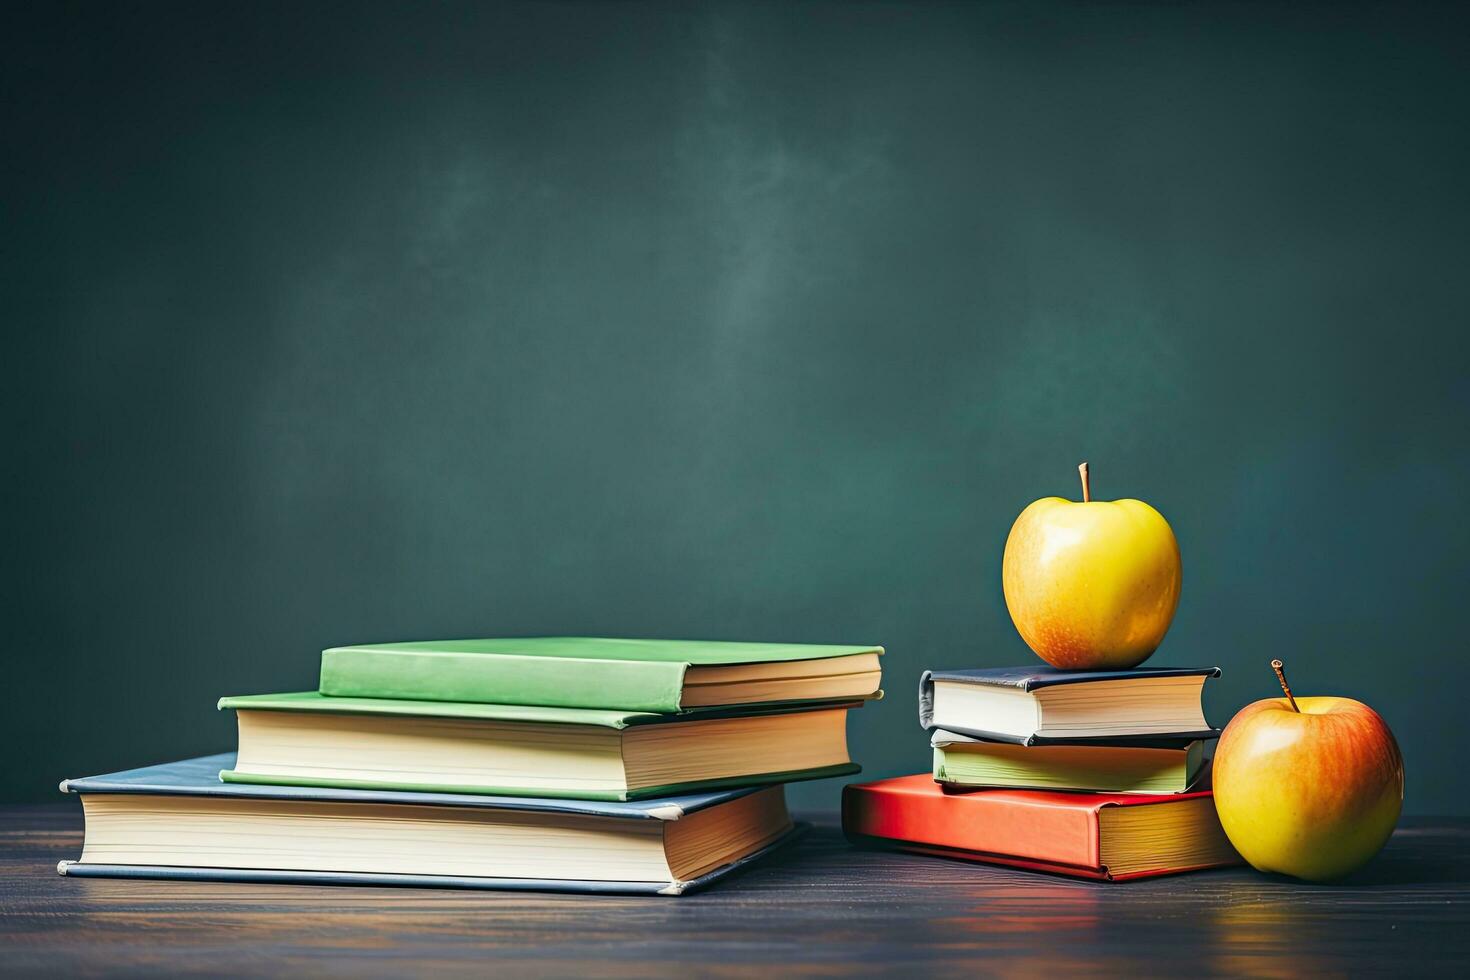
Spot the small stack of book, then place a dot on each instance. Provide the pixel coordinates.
(574, 764)
(1096, 774)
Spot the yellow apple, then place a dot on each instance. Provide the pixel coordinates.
(1091, 585)
(1309, 787)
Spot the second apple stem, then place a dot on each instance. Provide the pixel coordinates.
(1277, 666)
(1086, 485)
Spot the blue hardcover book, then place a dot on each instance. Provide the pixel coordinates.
(179, 820)
(1046, 706)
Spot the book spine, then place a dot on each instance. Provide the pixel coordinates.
(622, 685)
(982, 822)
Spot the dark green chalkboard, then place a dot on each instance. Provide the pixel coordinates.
(347, 323)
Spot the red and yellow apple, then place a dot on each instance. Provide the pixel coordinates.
(1309, 787)
(1091, 585)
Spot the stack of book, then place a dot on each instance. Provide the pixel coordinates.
(573, 764)
(1096, 774)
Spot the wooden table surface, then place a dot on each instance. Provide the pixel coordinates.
(819, 908)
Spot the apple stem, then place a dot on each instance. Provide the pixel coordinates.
(1086, 483)
(1277, 666)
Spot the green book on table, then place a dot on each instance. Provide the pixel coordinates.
(962, 762)
(612, 674)
(309, 739)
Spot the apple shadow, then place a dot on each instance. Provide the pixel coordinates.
(1407, 870)
(1412, 857)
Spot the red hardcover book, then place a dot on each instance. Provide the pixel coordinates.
(1106, 836)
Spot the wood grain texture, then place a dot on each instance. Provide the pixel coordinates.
(819, 908)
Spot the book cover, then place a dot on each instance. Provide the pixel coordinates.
(315, 701)
(1031, 678)
(570, 672)
(1035, 678)
(1040, 830)
(76, 869)
(199, 777)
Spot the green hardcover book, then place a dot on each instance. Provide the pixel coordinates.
(591, 672)
(308, 739)
(1167, 767)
